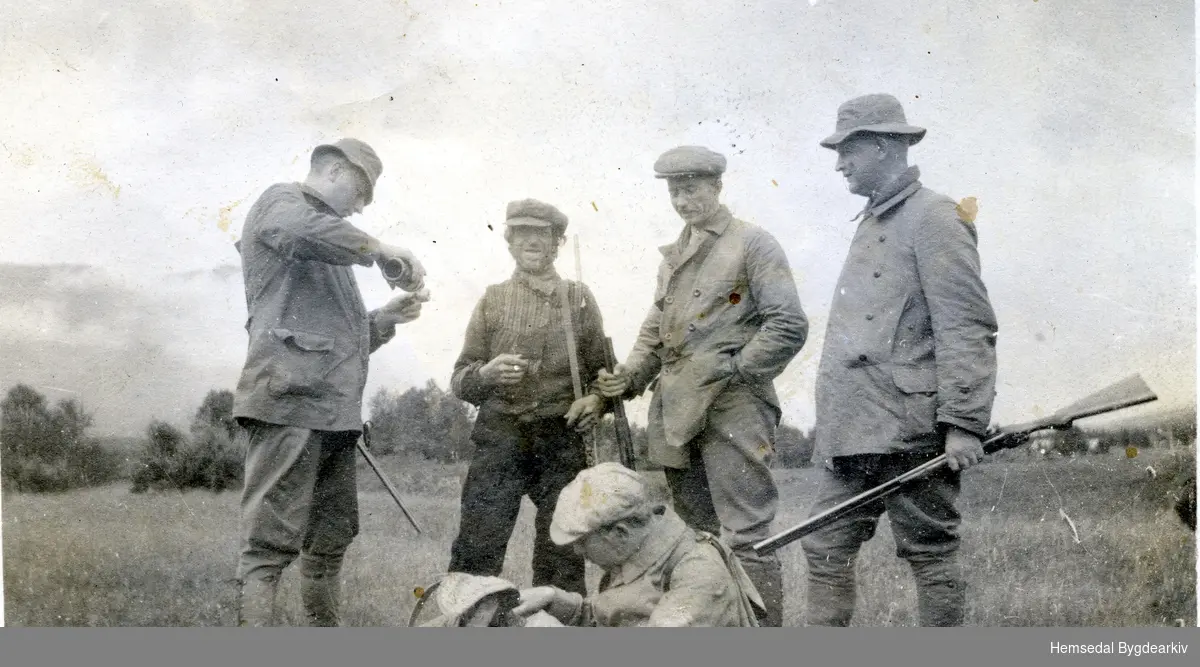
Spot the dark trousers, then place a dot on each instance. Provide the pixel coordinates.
(925, 525)
(514, 459)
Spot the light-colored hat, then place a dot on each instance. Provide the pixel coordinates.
(458, 592)
(534, 213)
(878, 113)
(598, 496)
(360, 155)
(689, 162)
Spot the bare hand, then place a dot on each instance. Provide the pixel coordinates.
(613, 384)
(400, 310)
(533, 600)
(505, 369)
(963, 449)
(584, 413)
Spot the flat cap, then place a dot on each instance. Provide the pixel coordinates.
(598, 496)
(688, 162)
(359, 154)
(534, 213)
(877, 113)
(458, 592)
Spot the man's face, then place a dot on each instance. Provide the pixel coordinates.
(533, 248)
(609, 547)
(694, 199)
(860, 161)
(347, 189)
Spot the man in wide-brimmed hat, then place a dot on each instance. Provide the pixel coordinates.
(724, 322)
(474, 601)
(299, 398)
(908, 370)
(514, 367)
(658, 571)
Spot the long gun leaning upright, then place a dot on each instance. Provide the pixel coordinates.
(1126, 393)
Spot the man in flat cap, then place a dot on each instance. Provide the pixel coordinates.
(514, 367)
(299, 398)
(725, 322)
(908, 370)
(658, 572)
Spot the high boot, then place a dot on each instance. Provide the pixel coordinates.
(941, 593)
(256, 603)
(320, 590)
(767, 576)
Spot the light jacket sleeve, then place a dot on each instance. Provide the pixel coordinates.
(643, 362)
(964, 324)
(784, 326)
(297, 231)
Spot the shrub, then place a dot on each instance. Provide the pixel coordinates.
(48, 450)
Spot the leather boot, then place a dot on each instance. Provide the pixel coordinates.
(832, 591)
(941, 593)
(767, 576)
(256, 603)
(320, 591)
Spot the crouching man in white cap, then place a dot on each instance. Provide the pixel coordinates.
(658, 571)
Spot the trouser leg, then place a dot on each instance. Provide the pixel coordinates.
(736, 449)
(832, 552)
(333, 525)
(558, 456)
(925, 523)
(280, 473)
(491, 501)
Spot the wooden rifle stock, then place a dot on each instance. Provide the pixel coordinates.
(620, 420)
(1126, 393)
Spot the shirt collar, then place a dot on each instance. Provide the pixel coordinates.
(660, 543)
(716, 225)
(543, 286)
(889, 196)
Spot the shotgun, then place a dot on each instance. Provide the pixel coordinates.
(364, 446)
(1126, 393)
(620, 420)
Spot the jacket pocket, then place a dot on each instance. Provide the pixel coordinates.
(299, 363)
(918, 388)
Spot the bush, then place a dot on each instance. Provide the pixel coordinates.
(209, 459)
(44, 450)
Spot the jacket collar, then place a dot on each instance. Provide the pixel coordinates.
(891, 195)
(715, 226)
(666, 532)
(313, 194)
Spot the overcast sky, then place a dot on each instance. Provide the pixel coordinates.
(136, 135)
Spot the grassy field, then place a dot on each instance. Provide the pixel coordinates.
(105, 557)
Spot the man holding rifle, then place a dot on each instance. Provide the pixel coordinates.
(530, 340)
(299, 398)
(725, 322)
(908, 370)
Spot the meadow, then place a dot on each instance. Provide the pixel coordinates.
(106, 557)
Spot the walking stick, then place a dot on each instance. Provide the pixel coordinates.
(364, 446)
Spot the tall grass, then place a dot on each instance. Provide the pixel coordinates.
(105, 557)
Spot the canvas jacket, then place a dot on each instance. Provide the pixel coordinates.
(679, 578)
(910, 344)
(309, 332)
(725, 310)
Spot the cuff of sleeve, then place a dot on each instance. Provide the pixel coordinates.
(945, 423)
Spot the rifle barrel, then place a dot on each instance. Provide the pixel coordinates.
(1121, 395)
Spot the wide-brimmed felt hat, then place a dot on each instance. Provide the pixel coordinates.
(878, 114)
(458, 592)
(359, 154)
